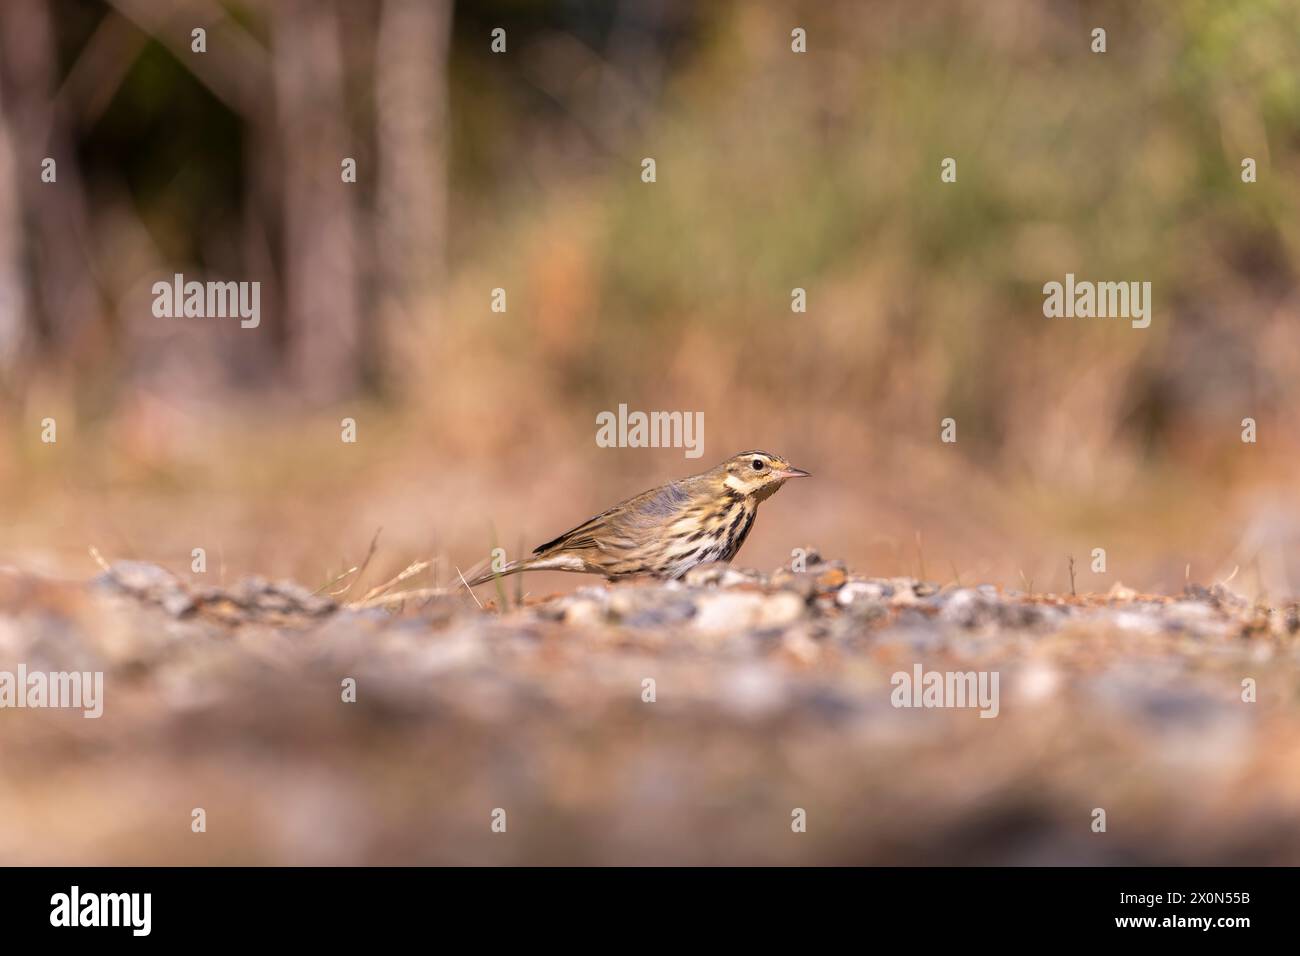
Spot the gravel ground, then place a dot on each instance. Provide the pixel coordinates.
(772, 736)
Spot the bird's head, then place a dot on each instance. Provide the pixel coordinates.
(757, 473)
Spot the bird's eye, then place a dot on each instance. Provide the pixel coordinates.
(758, 464)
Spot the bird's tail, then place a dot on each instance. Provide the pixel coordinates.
(483, 572)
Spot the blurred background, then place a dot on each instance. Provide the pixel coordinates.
(522, 171)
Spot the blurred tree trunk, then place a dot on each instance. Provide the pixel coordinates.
(411, 198)
(52, 215)
(320, 262)
(14, 319)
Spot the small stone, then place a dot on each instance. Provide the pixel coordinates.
(702, 575)
(967, 608)
(822, 604)
(734, 577)
(801, 582)
(1136, 621)
(1119, 592)
(178, 604)
(904, 597)
(864, 600)
(149, 582)
(855, 591)
(303, 600)
(780, 609)
(141, 576)
(831, 579)
(647, 607)
(584, 613)
(1200, 620)
(723, 612)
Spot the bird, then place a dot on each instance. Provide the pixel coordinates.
(666, 531)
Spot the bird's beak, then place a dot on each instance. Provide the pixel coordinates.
(793, 472)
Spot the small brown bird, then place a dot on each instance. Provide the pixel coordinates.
(668, 530)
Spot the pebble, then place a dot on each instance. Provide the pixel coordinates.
(730, 682)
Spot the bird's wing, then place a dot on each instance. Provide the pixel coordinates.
(611, 528)
(578, 537)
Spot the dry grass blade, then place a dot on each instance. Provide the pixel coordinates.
(374, 543)
(397, 597)
(470, 590)
(410, 571)
(334, 581)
